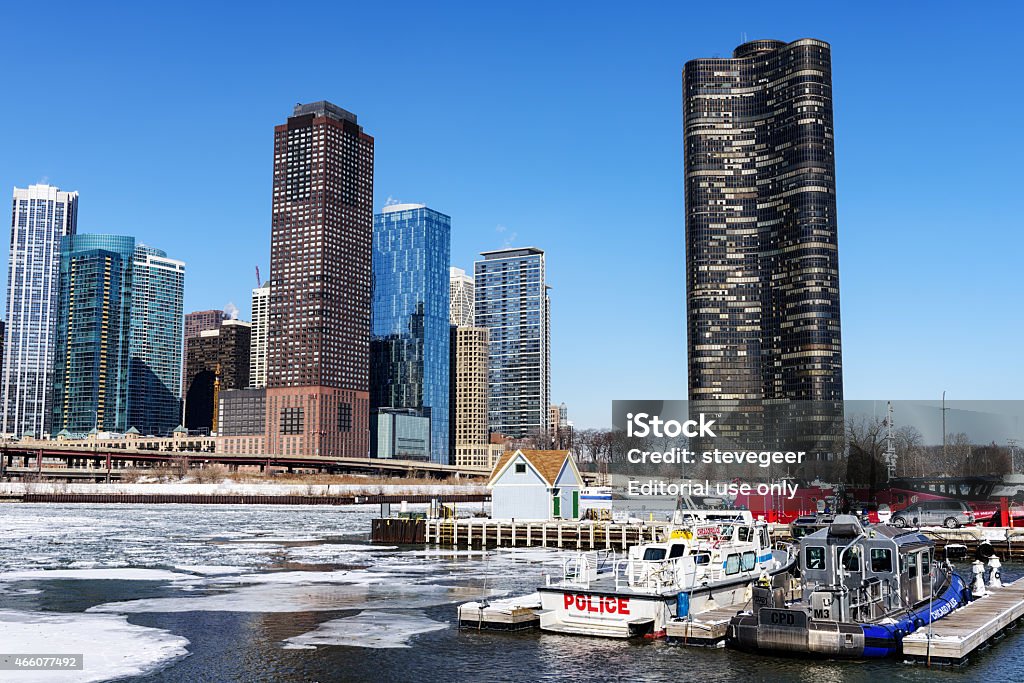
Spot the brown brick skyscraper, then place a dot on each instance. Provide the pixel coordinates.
(319, 335)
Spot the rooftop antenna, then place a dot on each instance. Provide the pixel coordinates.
(744, 35)
(259, 282)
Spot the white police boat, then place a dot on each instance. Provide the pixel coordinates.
(700, 566)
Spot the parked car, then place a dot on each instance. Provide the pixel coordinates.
(948, 513)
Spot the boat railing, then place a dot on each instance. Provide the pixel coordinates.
(658, 575)
(582, 568)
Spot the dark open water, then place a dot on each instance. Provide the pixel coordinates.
(252, 577)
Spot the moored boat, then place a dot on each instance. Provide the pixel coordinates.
(698, 567)
(863, 590)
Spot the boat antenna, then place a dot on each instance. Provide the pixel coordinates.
(931, 596)
(889, 456)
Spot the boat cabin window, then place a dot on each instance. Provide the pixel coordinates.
(814, 557)
(745, 534)
(851, 559)
(881, 560)
(654, 554)
(764, 537)
(912, 565)
(702, 558)
(926, 563)
(732, 563)
(678, 550)
(749, 560)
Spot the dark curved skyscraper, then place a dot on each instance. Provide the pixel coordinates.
(762, 263)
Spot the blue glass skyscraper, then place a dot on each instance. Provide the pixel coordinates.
(90, 383)
(409, 347)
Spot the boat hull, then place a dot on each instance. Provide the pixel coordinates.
(791, 630)
(605, 612)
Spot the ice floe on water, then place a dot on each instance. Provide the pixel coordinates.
(112, 647)
(300, 597)
(369, 628)
(119, 574)
(209, 569)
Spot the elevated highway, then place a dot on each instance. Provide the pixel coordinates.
(103, 463)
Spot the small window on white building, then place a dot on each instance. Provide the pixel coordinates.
(520, 468)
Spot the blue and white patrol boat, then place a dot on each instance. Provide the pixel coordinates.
(863, 590)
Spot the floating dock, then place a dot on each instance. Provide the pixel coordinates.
(490, 533)
(955, 637)
(508, 614)
(704, 629)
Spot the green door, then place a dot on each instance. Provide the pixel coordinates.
(556, 501)
(575, 504)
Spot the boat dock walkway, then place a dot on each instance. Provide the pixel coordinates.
(490, 533)
(955, 637)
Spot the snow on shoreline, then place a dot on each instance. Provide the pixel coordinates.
(112, 647)
(17, 488)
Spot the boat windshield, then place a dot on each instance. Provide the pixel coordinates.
(654, 554)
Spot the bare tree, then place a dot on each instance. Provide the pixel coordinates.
(865, 465)
(179, 465)
(910, 452)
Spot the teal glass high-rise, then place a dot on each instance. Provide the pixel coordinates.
(158, 288)
(93, 322)
(409, 347)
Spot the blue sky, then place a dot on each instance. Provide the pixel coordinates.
(558, 126)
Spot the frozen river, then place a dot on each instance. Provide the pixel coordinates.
(275, 593)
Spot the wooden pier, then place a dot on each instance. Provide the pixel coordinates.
(489, 533)
(955, 637)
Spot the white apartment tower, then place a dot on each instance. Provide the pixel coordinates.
(42, 215)
(258, 342)
(462, 299)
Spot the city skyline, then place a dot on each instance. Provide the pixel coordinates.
(904, 204)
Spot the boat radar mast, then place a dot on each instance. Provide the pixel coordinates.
(889, 456)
